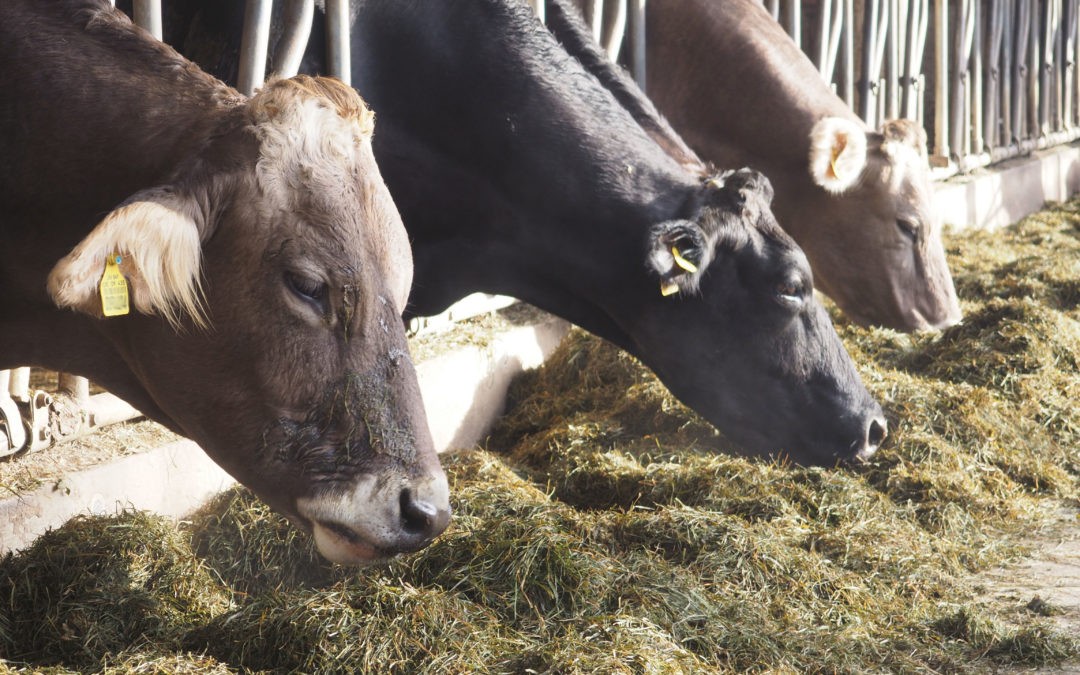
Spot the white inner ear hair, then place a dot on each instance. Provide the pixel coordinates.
(161, 254)
(837, 153)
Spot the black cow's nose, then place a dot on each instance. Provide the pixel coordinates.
(876, 431)
(421, 518)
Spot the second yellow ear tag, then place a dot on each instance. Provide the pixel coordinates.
(114, 289)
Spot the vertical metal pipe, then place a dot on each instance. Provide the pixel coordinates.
(975, 119)
(253, 46)
(298, 18)
(794, 21)
(614, 41)
(1071, 43)
(868, 81)
(894, 39)
(19, 385)
(849, 53)
(941, 80)
(596, 20)
(774, 8)
(74, 386)
(1033, 73)
(961, 83)
(338, 53)
(992, 67)
(835, 33)
(539, 8)
(1008, 74)
(147, 14)
(824, 35)
(912, 60)
(637, 41)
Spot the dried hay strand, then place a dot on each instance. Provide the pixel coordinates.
(605, 528)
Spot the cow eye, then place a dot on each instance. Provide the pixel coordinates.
(791, 293)
(908, 229)
(306, 288)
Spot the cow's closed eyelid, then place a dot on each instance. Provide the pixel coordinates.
(909, 228)
(310, 290)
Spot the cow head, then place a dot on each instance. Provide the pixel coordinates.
(880, 255)
(267, 280)
(735, 332)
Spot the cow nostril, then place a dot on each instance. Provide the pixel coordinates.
(876, 433)
(417, 516)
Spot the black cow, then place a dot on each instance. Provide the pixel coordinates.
(517, 172)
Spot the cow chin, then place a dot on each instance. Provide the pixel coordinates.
(345, 549)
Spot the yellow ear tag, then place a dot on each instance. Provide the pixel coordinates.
(668, 288)
(683, 262)
(837, 151)
(114, 289)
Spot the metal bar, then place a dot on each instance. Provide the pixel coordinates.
(912, 61)
(868, 82)
(992, 66)
(1033, 75)
(637, 41)
(1008, 48)
(941, 81)
(849, 53)
(824, 37)
(596, 20)
(253, 45)
(539, 8)
(298, 17)
(338, 53)
(894, 40)
(614, 40)
(975, 119)
(75, 386)
(147, 14)
(19, 385)
(835, 32)
(1071, 42)
(794, 21)
(774, 8)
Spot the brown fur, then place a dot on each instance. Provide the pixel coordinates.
(112, 143)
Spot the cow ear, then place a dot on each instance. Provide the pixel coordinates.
(837, 153)
(678, 252)
(899, 136)
(153, 242)
(739, 190)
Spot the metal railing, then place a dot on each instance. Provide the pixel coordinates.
(987, 79)
(1000, 79)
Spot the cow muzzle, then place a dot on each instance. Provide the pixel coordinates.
(378, 518)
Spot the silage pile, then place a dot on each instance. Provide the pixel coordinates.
(600, 531)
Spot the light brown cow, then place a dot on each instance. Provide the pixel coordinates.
(858, 202)
(266, 264)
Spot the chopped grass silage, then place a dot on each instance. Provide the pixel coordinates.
(601, 531)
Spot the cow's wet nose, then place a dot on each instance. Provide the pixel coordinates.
(421, 517)
(876, 431)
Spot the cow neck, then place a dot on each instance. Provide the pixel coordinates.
(556, 183)
(116, 113)
(752, 97)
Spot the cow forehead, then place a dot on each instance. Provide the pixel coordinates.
(309, 156)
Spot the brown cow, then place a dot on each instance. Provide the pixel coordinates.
(858, 202)
(266, 263)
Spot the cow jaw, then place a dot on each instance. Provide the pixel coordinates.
(376, 519)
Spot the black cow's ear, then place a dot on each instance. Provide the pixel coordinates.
(735, 190)
(678, 252)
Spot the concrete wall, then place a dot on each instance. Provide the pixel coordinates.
(1002, 195)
